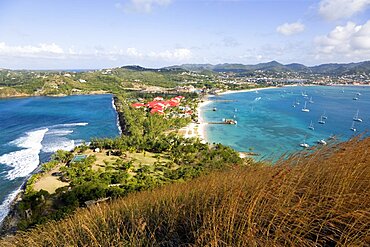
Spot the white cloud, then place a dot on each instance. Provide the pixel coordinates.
(142, 6)
(133, 52)
(31, 51)
(338, 9)
(290, 28)
(348, 42)
(175, 55)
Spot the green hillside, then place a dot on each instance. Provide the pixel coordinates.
(312, 199)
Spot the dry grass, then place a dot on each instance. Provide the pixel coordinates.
(322, 199)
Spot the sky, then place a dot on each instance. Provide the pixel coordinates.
(94, 34)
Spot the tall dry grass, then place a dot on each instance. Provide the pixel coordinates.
(318, 199)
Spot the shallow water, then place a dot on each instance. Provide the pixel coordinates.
(269, 125)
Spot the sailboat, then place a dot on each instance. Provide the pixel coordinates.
(311, 126)
(321, 121)
(353, 127)
(322, 142)
(356, 118)
(305, 109)
(304, 94)
(324, 115)
(304, 144)
(311, 101)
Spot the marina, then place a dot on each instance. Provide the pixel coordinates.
(265, 123)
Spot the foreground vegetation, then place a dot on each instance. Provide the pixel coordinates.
(317, 199)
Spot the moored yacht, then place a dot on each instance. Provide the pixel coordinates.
(311, 127)
(321, 120)
(304, 144)
(322, 142)
(356, 118)
(305, 109)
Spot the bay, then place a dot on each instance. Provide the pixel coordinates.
(31, 129)
(270, 125)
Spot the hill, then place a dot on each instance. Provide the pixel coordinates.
(317, 198)
(274, 66)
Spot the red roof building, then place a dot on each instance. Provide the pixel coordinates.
(137, 105)
(157, 110)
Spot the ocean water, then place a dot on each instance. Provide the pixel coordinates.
(31, 129)
(268, 124)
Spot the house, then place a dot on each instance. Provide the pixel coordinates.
(158, 99)
(137, 105)
(157, 110)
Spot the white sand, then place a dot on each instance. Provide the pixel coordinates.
(197, 130)
(245, 90)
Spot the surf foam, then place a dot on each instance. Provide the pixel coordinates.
(71, 125)
(26, 160)
(5, 205)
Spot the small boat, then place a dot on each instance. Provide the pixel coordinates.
(324, 115)
(332, 137)
(214, 109)
(297, 102)
(311, 127)
(358, 93)
(310, 101)
(304, 144)
(229, 121)
(355, 98)
(356, 118)
(322, 142)
(304, 94)
(294, 104)
(353, 127)
(321, 121)
(235, 110)
(305, 109)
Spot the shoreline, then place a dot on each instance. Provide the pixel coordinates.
(247, 90)
(22, 96)
(8, 224)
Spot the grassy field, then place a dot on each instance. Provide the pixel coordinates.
(312, 199)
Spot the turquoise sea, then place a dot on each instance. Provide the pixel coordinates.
(268, 124)
(31, 129)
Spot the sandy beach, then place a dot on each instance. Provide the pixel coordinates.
(196, 130)
(246, 90)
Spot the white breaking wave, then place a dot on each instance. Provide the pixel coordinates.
(113, 105)
(59, 132)
(5, 206)
(26, 160)
(58, 144)
(117, 118)
(71, 125)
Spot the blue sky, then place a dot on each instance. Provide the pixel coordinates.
(66, 34)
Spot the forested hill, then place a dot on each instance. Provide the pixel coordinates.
(335, 69)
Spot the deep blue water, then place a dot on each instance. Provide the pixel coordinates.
(31, 129)
(268, 123)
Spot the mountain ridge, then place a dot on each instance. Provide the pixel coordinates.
(274, 66)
